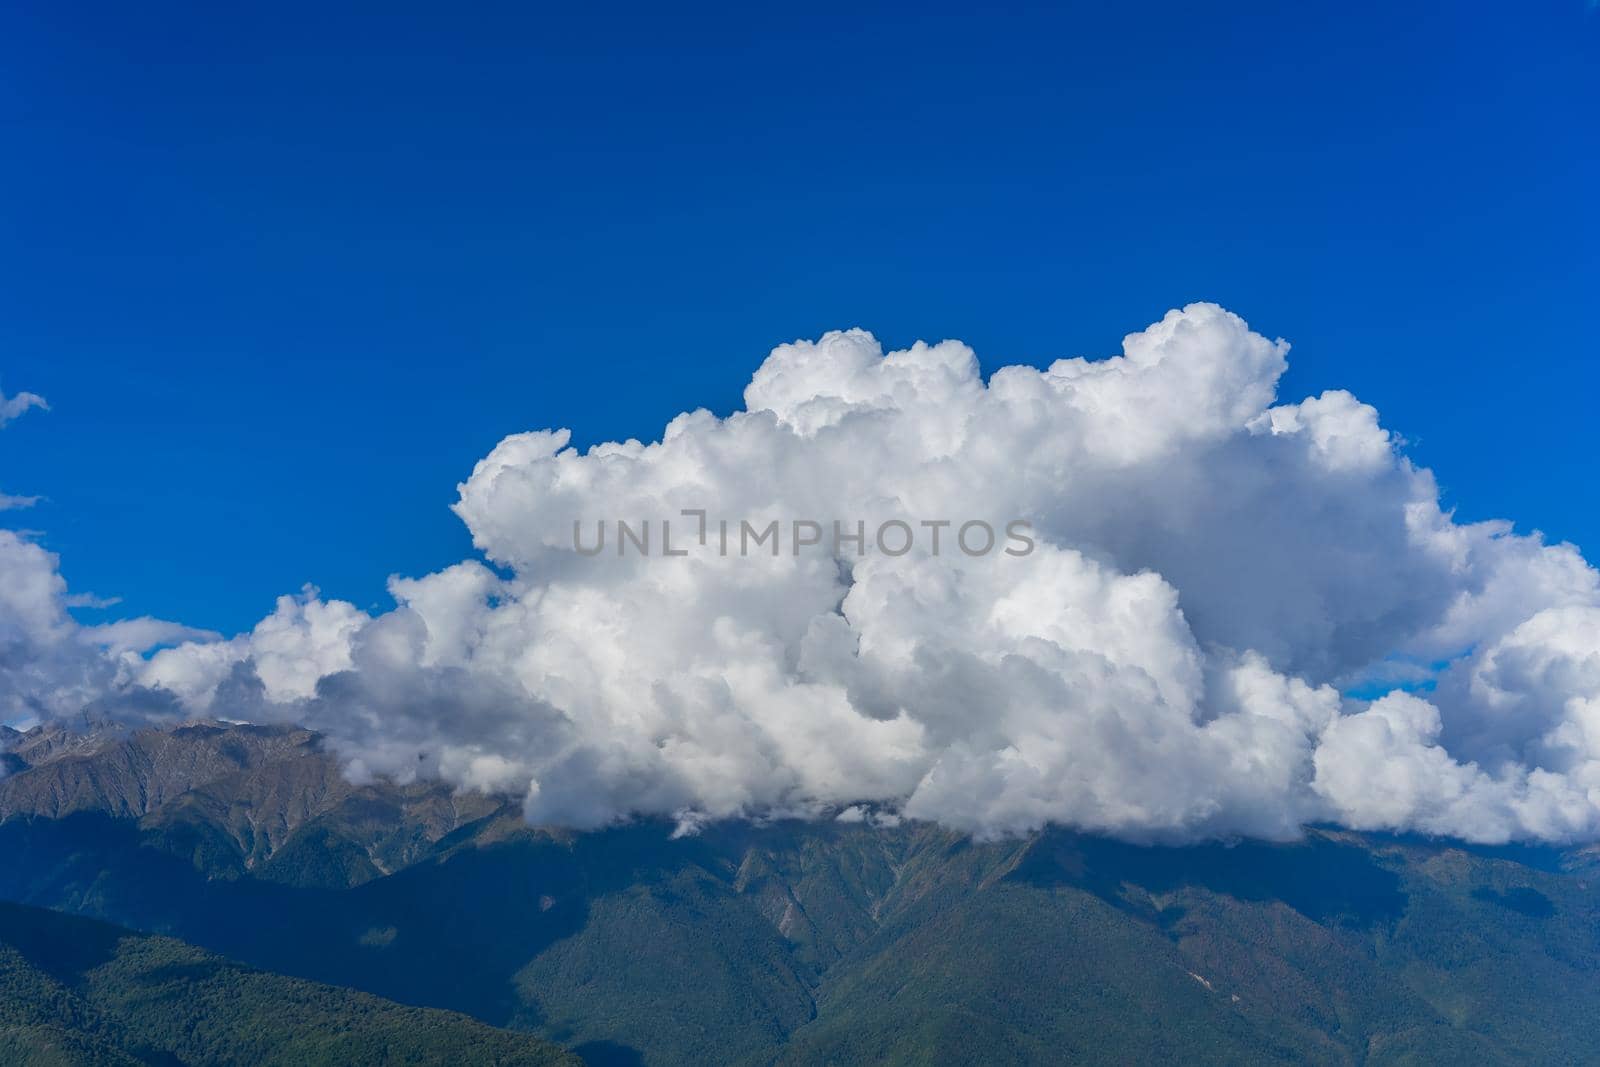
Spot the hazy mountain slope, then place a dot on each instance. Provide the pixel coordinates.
(74, 991)
(969, 965)
(268, 800)
(842, 943)
(1334, 951)
(105, 769)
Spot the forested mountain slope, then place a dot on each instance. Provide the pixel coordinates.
(816, 943)
(75, 991)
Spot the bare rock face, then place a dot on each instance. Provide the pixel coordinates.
(104, 768)
(235, 797)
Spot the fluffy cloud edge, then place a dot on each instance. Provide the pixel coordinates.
(1215, 572)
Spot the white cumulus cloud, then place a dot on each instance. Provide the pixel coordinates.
(1209, 573)
(51, 667)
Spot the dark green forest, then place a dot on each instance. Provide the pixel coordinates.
(75, 991)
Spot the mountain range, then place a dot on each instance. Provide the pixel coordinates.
(787, 942)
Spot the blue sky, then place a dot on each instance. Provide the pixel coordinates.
(285, 276)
